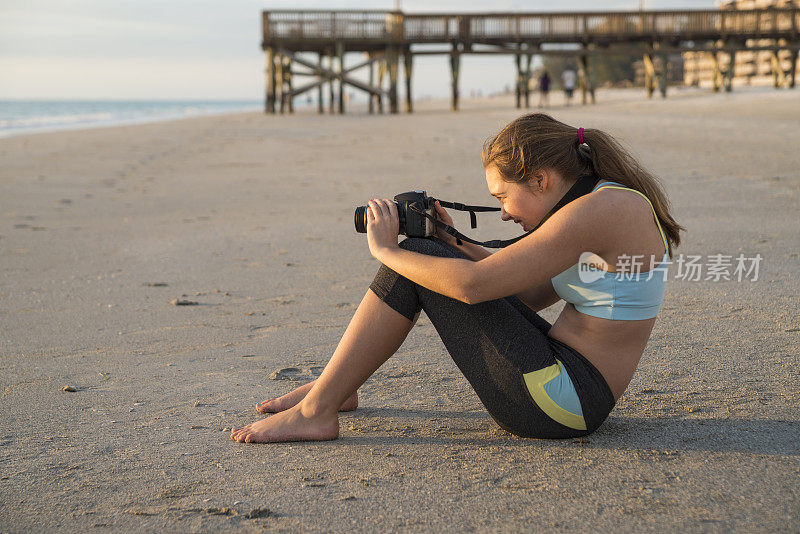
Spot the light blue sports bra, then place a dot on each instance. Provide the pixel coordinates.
(626, 296)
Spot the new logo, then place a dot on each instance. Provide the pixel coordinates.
(591, 267)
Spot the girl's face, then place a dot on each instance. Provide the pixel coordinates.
(522, 203)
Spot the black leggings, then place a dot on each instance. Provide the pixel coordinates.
(493, 344)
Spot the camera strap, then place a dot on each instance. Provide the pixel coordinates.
(473, 221)
(583, 185)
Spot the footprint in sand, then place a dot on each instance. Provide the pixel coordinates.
(282, 301)
(183, 302)
(287, 373)
(297, 373)
(259, 513)
(266, 328)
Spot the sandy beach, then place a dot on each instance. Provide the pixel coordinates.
(250, 216)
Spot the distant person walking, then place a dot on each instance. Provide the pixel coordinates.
(544, 89)
(568, 78)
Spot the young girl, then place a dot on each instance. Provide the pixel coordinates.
(535, 379)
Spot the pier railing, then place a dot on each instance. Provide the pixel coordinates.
(313, 43)
(308, 26)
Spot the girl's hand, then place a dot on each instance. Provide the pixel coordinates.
(445, 218)
(383, 226)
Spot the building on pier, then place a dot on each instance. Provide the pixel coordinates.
(770, 65)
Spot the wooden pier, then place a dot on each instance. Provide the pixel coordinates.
(312, 44)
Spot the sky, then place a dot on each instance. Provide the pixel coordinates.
(207, 49)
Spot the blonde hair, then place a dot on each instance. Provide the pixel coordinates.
(538, 141)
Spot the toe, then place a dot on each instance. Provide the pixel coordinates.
(269, 406)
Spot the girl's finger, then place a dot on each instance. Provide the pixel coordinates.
(376, 209)
(382, 207)
(392, 207)
(443, 214)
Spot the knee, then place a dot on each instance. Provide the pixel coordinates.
(430, 247)
(415, 244)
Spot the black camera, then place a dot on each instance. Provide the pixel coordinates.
(410, 209)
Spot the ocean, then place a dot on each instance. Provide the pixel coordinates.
(30, 116)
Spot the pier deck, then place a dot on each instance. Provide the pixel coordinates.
(384, 37)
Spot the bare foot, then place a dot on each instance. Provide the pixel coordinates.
(289, 425)
(293, 397)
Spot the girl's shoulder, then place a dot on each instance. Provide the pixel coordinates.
(620, 199)
(609, 214)
(625, 217)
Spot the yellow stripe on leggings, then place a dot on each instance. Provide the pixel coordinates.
(535, 381)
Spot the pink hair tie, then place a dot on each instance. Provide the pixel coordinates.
(580, 136)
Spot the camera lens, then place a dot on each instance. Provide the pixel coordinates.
(361, 219)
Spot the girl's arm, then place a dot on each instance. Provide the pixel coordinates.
(473, 252)
(528, 263)
(536, 298)
(539, 297)
(450, 277)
